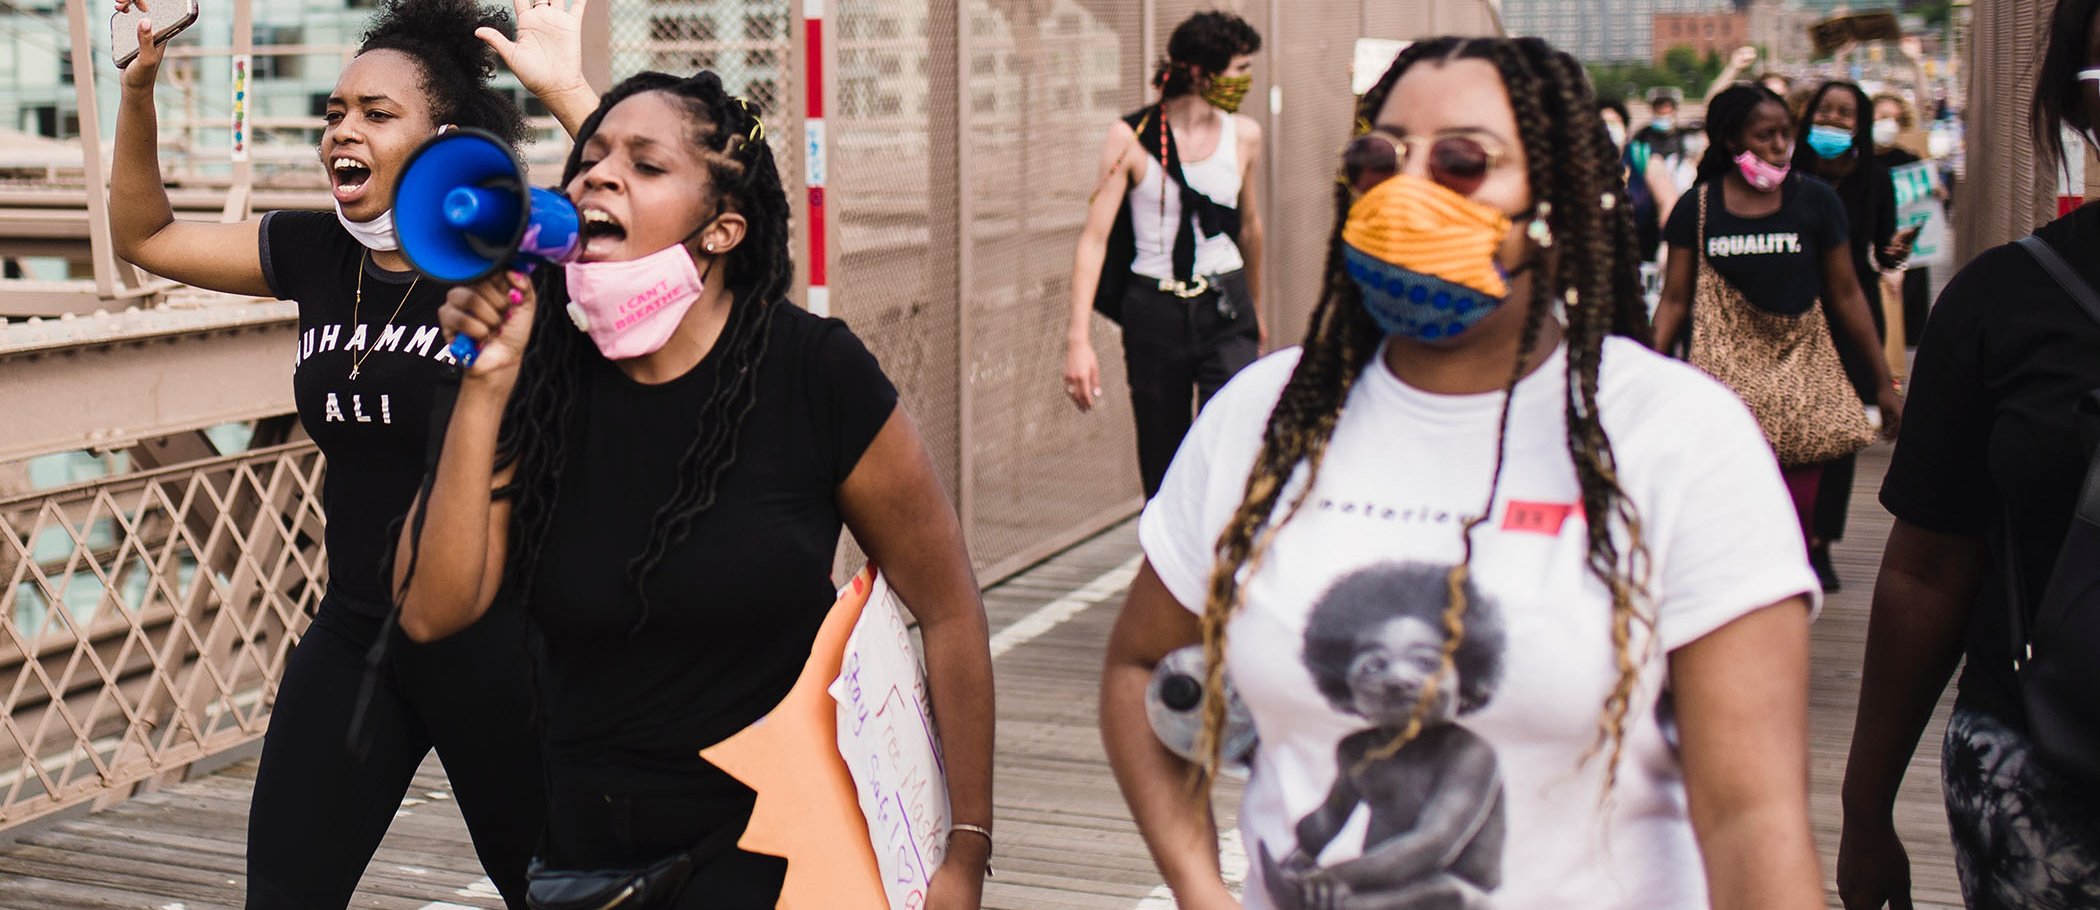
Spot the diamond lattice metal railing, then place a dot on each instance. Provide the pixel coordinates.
(146, 621)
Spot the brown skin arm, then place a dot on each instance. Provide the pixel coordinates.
(1742, 706)
(1173, 815)
(217, 257)
(466, 536)
(1915, 635)
(895, 506)
(1850, 324)
(1674, 312)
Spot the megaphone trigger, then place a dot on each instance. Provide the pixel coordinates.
(464, 209)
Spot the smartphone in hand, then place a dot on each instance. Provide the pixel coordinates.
(124, 30)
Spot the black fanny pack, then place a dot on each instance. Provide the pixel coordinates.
(648, 888)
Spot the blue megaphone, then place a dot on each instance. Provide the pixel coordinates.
(463, 210)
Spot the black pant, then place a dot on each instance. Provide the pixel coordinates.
(319, 813)
(1178, 353)
(600, 819)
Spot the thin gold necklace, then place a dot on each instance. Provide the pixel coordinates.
(357, 361)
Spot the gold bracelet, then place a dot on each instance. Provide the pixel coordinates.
(980, 832)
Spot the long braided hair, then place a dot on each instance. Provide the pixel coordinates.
(538, 421)
(1576, 177)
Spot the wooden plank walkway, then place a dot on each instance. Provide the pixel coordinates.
(1065, 839)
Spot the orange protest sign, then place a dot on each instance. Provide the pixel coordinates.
(808, 809)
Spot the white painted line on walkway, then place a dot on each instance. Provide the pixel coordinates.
(1057, 612)
(1232, 860)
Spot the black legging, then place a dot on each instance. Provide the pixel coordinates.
(319, 813)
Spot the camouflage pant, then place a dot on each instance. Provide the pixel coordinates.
(2024, 839)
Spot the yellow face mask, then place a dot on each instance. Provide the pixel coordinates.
(1227, 92)
(1424, 257)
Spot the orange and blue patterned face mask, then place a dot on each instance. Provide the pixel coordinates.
(1424, 258)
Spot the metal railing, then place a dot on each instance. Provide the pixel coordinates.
(148, 616)
(147, 621)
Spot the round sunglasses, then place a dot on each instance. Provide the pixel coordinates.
(1457, 162)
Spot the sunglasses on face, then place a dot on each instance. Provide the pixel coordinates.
(1457, 162)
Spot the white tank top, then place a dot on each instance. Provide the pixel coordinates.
(1218, 177)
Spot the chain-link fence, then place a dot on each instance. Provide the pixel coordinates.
(962, 146)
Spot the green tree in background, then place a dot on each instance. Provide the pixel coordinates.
(1682, 69)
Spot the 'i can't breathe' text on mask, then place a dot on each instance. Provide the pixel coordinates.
(631, 308)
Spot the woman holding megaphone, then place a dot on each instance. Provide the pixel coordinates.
(651, 459)
(369, 357)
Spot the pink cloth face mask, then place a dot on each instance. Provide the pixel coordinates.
(1760, 175)
(631, 308)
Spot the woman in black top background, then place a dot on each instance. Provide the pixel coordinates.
(1993, 445)
(370, 353)
(661, 495)
(1863, 185)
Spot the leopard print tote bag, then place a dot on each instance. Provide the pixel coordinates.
(1784, 367)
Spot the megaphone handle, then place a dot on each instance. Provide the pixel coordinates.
(462, 348)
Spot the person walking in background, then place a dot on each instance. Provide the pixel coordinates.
(1663, 134)
(320, 809)
(1761, 246)
(1982, 487)
(1907, 293)
(1647, 179)
(1172, 247)
(1839, 151)
(1452, 552)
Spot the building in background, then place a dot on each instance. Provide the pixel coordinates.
(1601, 31)
(1780, 27)
(1702, 33)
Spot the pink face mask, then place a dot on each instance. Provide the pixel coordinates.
(1759, 174)
(631, 308)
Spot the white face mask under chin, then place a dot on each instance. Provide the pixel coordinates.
(377, 234)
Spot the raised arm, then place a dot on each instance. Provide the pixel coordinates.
(458, 560)
(209, 255)
(894, 504)
(1119, 153)
(1737, 62)
(547, 57)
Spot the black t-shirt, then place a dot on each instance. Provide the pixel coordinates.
(734, 607)
(1869, 197)
(1776, 260)
(373, 430)
(1989, 431)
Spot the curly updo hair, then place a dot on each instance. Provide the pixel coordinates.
(457, 67)
(1203, 45)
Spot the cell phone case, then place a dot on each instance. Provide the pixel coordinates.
(124, 31)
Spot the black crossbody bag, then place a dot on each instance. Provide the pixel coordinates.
(2056, 645)
(652, 886)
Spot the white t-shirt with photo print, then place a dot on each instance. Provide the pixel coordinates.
(1493, 803)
